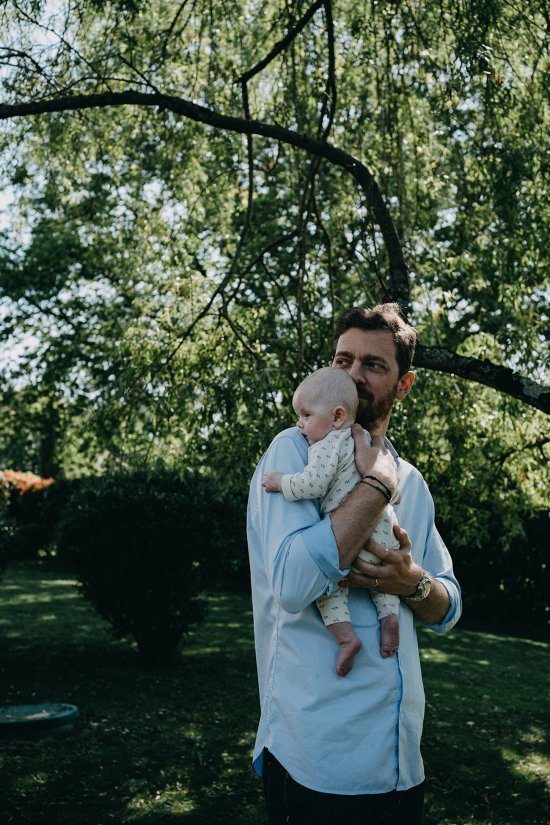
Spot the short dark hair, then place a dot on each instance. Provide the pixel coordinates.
(386, 317)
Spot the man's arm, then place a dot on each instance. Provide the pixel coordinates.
(355, 519)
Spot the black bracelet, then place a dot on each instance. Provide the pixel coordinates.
(386, 495)
(387, 489)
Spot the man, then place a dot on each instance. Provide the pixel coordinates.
(333, 749)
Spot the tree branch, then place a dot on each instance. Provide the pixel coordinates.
(397, 288)
(282, 44)
(330, 91)
(502, 379)
(485, 372)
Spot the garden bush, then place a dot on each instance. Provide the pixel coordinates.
(506, 584)
(25, 531)
(142, 546)
(7, 530)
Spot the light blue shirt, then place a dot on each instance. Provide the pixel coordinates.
(351, 735)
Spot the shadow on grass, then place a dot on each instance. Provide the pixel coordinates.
(486, 733)
(172, 746)
(163, 745)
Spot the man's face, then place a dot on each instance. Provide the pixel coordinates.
(369, 357)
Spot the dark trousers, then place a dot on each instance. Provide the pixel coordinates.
(289, 803)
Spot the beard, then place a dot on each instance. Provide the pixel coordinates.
(371, 412)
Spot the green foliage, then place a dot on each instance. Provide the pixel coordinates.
(485, 461)
(25, 528)
(508, 590)
(6, 538)
(163, 291)
(141, 545)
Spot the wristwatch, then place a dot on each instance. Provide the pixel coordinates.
(422, 590)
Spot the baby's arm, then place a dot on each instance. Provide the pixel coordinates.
(272, 482)
(314, 481)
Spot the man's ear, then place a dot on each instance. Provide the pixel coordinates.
(404, 384)
(340, 417)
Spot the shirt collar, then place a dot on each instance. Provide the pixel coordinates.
(391, 449)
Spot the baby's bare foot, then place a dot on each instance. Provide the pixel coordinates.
(350, 645)
(389, 635)
(348, 652)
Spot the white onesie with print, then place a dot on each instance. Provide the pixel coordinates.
(330, 475)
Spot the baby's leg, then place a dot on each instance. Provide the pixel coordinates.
(387, 606)
(389, 635)
(335, 614)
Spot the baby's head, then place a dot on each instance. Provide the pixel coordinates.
(326, 400)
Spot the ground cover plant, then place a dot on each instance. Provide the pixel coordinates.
(172, 745)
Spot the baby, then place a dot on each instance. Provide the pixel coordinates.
(326, 404)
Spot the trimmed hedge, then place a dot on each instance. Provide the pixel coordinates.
(25, 531)
(143, 545)
(506, 591)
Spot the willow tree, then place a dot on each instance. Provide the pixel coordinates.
(197, 189)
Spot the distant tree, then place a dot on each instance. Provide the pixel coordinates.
(198, 189)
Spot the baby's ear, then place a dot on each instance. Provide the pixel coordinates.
(340, 417)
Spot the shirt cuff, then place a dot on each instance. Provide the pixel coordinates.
(321, 546)
(453, 613)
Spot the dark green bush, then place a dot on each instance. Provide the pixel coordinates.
(506, 590)
(23, 500)
(142, 546)
(7, 530)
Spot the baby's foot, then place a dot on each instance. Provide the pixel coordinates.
(389, 635)
(349, 648)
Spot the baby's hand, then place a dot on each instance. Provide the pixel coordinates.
(271, 482)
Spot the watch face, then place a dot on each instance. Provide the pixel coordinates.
(424, 587)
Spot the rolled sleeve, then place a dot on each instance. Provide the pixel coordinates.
(437, 561)
(416, 513)
(300, 555)
(321, 546)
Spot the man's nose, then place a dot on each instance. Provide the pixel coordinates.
(356, 373)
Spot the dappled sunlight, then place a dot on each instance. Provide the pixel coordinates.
(484, 709)
(436, 656)
(174, 744)
(43, 598)
(169, 800)
(534, 766)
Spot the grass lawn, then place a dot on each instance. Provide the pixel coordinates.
(172, 745)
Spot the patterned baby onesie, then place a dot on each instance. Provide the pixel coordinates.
(330, 475)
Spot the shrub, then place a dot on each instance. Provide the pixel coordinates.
(141, 545)
(7, 530)
(24, 531)
(506, 588)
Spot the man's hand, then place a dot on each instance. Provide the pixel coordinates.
(375, 460)
(271, 482)
(399, 575)
(396, 574)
